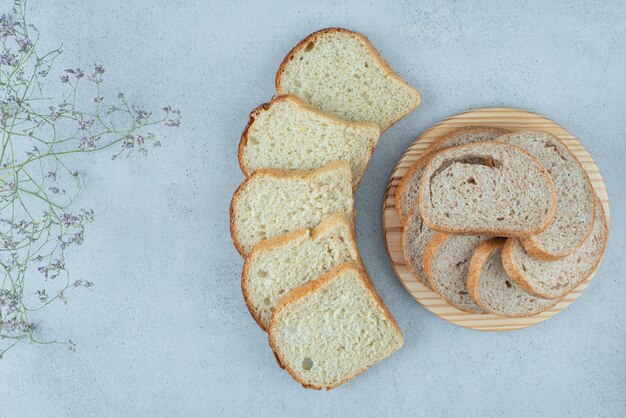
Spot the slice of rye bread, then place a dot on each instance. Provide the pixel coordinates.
(415, 237)
(288, 133)
(329, 330)
(446, 263)
(575, 198)
(554, 279)
(494, 291)
(340, 72)
(273, 202)
(486, 188)
(466, 135)
(408, 188)
(278, 265)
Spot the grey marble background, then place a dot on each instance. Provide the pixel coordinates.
(165, 332)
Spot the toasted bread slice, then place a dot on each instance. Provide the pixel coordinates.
(340, 72)
(486, 188)
(289, 134)
(554, 279)
(329, 330)
(575, 198)
(273, 202)
(494, 291)
(278, 265)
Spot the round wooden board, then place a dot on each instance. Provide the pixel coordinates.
(513, 119)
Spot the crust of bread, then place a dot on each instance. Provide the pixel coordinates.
(310, 288)
(467, 129)
(491, 231)
(284, 174)
(429, 252)
(402, 185)
(243, 142)
(530, 243)
(276, 242)
(518, 277)
(480, 256)
(384, 64)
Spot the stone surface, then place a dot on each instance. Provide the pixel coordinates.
(165, 331)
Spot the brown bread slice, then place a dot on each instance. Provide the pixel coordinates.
(408, 188)
(494, 291)
(332, 329)
(575, 198)
(466, 135)
(415, 237)
(446, 263)
(554, 279)
(486, 188)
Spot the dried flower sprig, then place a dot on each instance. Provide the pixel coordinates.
(37, 186)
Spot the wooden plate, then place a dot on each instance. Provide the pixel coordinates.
(513, 119)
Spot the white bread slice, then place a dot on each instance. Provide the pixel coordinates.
(408, 188)
(494, 291)
(332, 329)
(446, 263)
(278, 265)
(415, 237)
(273, 202)
(287, 133)
(575, 198)
(486, 188)
(466, 135)
(554, 279)
(339, 72)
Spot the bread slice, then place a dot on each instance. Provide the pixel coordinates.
(273, 202)
(446, 263)
(554, 279)
(408, 188)
(331, 329)
(466, 135)
(278, 265)
(575, 198)
(493, 290)
(486, 188)
(287, 133)
(415, 237)
(340, 72)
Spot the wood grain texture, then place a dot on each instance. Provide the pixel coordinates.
(513, 119)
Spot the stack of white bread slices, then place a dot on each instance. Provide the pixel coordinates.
(500, 222)
(303, 154)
